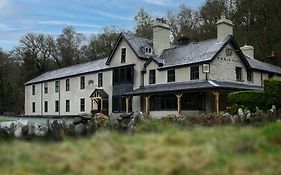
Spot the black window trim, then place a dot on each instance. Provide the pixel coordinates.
(169, 79)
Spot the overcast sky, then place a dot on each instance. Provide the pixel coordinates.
(19, 17)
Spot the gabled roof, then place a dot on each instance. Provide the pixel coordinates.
(92, 66)
(137, 44)
(259, 65)
(200, 52)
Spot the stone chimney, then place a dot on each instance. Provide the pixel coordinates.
(224, 28)
(161, 36)
(248, 51)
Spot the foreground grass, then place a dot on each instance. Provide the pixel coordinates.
(166, 151)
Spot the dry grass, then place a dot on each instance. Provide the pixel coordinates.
(198, 150)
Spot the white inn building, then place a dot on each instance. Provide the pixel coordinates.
(152, 76)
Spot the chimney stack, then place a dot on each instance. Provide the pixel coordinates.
(248, 51)
(161, 35)
(224, 28)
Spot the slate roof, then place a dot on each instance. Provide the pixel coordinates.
(191, 85)
(138, 44)
(192, 53)
(256, 64)
(71, 71)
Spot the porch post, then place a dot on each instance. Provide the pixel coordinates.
(179, 102)
(127, 104)
(217, 101)
(101, 105)
(147, 105)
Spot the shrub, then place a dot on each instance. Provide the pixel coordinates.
(272, 133)
(250, 99)
(272, 90)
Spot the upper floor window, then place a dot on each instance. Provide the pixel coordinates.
(82, 82)
(152, 77)
(238, 73)
(46, 106)
(171, 75)
(46, 88)
(82, 104)
(33, 89)
(100, 77)
(57, 86)
(67, 105)
(148, 50)
(67, 85)
(194, 73)
(123, 55)
(57, 106)
(249, 75)
(123, 75)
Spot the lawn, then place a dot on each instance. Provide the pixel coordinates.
(167, 151)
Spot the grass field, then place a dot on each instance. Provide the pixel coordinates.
(167, 151)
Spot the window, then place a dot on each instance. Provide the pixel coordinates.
(46, 106)
(123, 75)
(171, 75)
(119, 104)
(46, 88)
(100, 80)
(148, 50)
(194, 73)
(57, 106)
(82, 82)
(249, 75)
(57, 86)
(33, 107)
(82, 104)
(67, 85)
(270, 76)
(67, 105)
(152, 77)
(123, 55)
(33, 89)
(163, 102)
(193, 101)
(239, 73)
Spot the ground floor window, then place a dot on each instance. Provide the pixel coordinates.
(193, 101)
(168, 102)
(33, 107)
(67, 106)
(46, 106)
(119, 104)
(163, 102)
(57, 106)
(82, 104)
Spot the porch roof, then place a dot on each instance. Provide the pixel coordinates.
(192, 86)
(99, 93)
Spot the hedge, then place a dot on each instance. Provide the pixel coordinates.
(249, 99)
(272, 91)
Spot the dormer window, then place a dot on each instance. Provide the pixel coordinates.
(123, 55)
(148, 50)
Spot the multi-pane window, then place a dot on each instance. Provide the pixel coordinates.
(123, 55)
(238, 73)
(100, 80)
(249, 75)
(67, 105)
(119, 104)
(57, 106)
(33, 89)
(33, 107)
(152, 76)
(46, 88)
(82, 82)
(46, 106)
(194, 73)
(171, 75)
(67, 85)
(57, 86)
(123, 75)
(82, 104)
